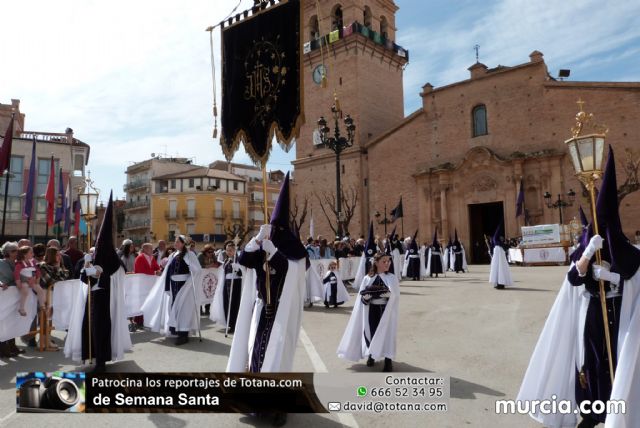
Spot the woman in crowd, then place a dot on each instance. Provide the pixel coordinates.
(165, 256)
(128, 255)
(372, 328)
(27, 277)
(207, 257)
(52, 269)
(324, 250)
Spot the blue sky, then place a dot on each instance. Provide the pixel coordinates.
(133, 78)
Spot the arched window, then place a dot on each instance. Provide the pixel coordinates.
(367, 17)
(336, 18)
(314, 28)
(384, 30)
(479, 116)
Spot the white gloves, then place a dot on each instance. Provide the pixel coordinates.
(602, 272)
(252, 245)
(235, 267)
(595, 244)
(265, 232)
(269, 248)
(366, 298)
(386, 295)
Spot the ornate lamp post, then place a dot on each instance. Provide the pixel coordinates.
(88, 203)
(385, 221)
(560, 203)
(337, 144)
(586, 154)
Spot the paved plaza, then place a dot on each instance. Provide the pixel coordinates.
(457, 326)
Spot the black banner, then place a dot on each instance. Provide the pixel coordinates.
(201, 392)
(261, 81)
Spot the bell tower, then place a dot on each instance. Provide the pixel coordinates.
(350, 51)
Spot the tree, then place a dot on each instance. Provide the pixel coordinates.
(238, 228)
(349, 201)
(630, 166)
(295, 220)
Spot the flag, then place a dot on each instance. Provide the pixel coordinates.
(5, 150)
(312, 227)
(76, 218)
(67, 210)
(334, 36)
(28, 203)
(520, 200)
(50, 196)
(396, 213)
(261, 77)
(60, 202)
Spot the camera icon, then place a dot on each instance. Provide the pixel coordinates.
(55, 393)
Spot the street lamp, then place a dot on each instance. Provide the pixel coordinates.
(385, 221)
(88, 203)
(586, 154)
(337, 144)
(560, 203)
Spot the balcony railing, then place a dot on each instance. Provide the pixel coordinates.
(220, 214)
(189, 215)
(136, 205)
(171, 215)
(137, 184)
(136, 224)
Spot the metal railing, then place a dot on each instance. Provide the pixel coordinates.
(136, 224)
(190, 215)
(171, 215)
(137, 184)
(136, 204)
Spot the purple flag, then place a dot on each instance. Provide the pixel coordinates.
(61, 199)
(520, 201)
(31, 184)
(67, 210)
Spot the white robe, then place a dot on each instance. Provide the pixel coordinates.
(396, 257)
(560, 350)
(120, 337)
(360, 273)
(217, 314)
(314, 290)
(383, 344)
(286, 327)
(500, 273)
(184, 314)
(342, 295)
(556, 356)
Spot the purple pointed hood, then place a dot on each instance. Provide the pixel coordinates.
(282, 236)
(624, 257)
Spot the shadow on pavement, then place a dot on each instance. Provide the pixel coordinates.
(293, 420)
(468, 390)
(207, 346)
(398, 367)
(528, 289)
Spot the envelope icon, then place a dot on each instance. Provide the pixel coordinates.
(334, 407)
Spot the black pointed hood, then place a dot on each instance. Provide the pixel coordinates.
(435, 242)
(624, 257)
(105, 255)
(282, 236)
(414, 243)
(370, 245)
(583, 240)
(498, 233)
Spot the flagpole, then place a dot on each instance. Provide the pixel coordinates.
(385, 221)
(266, 213)
(7, 175)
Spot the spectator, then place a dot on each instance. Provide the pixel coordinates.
(207, 257)
(8, 348)
(38, 252)
(324, 251)
(52, 269)
(66, 260)
(145, 264)
(165, 256)
(158, 252)
(127, 255)
(72, 250)
(27, 276)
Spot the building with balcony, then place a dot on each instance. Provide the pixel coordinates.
(70, 154)
(208, 204)
(137, 208)
(255, 190)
